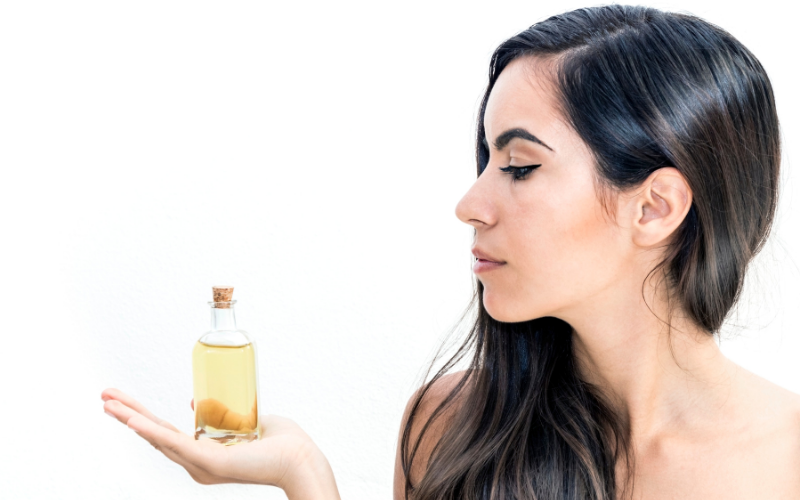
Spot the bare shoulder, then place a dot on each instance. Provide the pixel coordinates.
(774, 414)
(438, 390)
(770, 401)
(434, 396)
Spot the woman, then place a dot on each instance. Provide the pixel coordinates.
(628, 165)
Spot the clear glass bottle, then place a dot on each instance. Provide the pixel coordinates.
(225, 378)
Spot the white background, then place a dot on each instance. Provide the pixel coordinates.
(311, 155)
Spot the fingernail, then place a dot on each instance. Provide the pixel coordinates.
(109, 414)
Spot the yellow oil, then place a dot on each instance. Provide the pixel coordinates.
(225, 393)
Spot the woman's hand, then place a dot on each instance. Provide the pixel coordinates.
(285, 456)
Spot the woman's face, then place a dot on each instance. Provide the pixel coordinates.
(555, 250)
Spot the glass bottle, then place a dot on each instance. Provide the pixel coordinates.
(225, 378)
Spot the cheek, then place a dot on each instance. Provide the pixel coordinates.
(560, 250)
(584, 249)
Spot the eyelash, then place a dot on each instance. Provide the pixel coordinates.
(519, 173)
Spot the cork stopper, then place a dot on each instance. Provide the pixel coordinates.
(222, 294)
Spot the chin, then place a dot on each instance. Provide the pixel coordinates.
(505, 311)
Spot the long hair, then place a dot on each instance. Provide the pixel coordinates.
(644, 89)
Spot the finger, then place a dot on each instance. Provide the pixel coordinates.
(192, 404)
(116, 394)
(197, 473)
(119, 410)
(177, 446)
(123, 413)
(169, 443)
(204, 460)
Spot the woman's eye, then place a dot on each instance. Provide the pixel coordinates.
(519, 173)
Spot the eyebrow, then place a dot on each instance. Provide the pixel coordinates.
(503, 139)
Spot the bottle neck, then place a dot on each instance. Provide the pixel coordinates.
(222, 317)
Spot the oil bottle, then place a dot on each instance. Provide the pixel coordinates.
(225, 377)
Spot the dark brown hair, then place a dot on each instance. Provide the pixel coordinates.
(644, 89)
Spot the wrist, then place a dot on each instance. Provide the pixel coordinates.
(311, 478)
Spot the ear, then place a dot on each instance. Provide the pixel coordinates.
(660, 205)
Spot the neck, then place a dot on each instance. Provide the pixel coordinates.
(660, 378)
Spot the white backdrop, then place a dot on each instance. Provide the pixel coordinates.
(311, 155)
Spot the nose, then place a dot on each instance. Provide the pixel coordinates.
(476, 207)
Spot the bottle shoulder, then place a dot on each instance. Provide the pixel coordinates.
(226, 338)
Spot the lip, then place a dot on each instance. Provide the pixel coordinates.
(485, 262)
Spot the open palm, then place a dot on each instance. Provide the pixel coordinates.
(284, 456)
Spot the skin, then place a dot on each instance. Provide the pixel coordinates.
(701, 427)
(285, 456)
